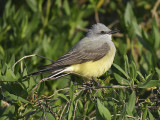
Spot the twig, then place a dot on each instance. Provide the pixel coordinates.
(100, 87)
(21, 67)
(58, 91)
(97, 16)
(126, 116)
(27, 115)
(93, 112)
(155, 7)
(28, 57)
(93, 118)
(118, 35)
(82, 29)
(44, 113)
(113, 23)
(154, 13)
(21, 60)
(75, 109)
(119, 96)
(63, 111)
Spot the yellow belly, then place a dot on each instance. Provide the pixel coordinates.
(96, 68)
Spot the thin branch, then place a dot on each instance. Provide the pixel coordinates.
(155, 7)
(75, 109)
(92, 118)
(126, 116)
(118, 35)
(100, 87)
(113, 23)
(21, 66)
(58, 91)
(63, 111)
(82, 29)
(27, 115)
(154, 11)
(28, 57)
(97, 16)
(21, 60)
(92, 113)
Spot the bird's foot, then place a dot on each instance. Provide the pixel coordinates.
(95, 82)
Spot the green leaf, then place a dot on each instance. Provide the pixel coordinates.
(131, 103)
(131, 22)
(8, 113)
(158, 71)
(156, 35)
(14, 97)
(71, 91)
(80, 105)
(31, 83)
(127, 70)
(66, 7)
(102, 111)
(143, 40)
(2, 50)
(121, 70)
(32, 4)
(63, 96)
(149, 84)
(140, 74)
(121, 80)
(150, 116)
(78, 96)
(58, 3)
(41, 88)
(123, 113)
(49, 116)
(9, 76)
(133, 70)
(159, 112)
(70, 112)
(145, 113)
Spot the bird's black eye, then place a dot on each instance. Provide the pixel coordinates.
(103, 32)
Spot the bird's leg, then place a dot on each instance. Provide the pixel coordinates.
(97, 84)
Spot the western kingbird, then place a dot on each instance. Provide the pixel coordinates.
(91, 57)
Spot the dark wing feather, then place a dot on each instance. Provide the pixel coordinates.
(77, 57)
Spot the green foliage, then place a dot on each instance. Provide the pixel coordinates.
(102, 112)
(129, 90)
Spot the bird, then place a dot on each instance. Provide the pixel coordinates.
(91, 57)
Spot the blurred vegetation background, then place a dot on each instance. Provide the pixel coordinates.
(50, 28)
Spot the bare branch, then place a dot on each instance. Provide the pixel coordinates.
(97, 16)
(28, 57)
(154, 11)
(113, 23)
(63, 111)
(101, 87)
(58, 91)
(82, 29)
(126, 116)
(75, 109)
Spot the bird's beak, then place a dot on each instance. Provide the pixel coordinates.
(113, 31)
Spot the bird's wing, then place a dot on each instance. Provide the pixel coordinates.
(77, 56)
(80, 54)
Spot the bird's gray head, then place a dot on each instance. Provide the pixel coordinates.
(100, 29)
